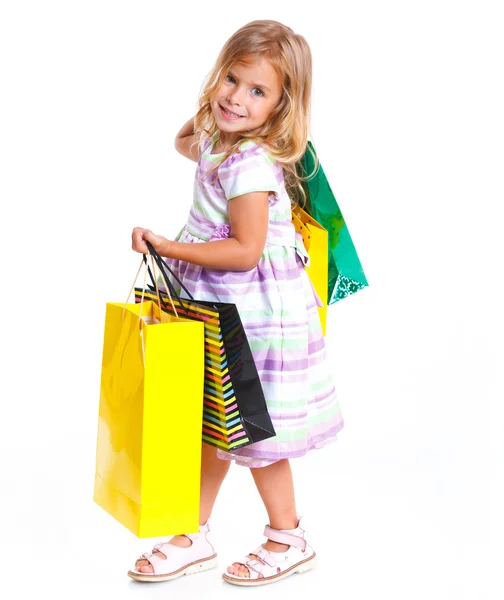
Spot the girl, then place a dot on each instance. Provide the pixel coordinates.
(239, 246)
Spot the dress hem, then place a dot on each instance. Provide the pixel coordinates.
(263, 459)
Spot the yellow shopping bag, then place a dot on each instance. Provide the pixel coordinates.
(316, 244)
(149, 433)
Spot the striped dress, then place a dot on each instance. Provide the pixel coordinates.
(276, 302)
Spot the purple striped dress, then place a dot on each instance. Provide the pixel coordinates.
(276, 302)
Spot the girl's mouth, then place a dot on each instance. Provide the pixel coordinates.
(230, 116)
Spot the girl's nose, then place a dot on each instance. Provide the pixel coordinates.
(235, 98)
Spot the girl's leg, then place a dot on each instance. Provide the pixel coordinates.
(213, 472)
(276, 488)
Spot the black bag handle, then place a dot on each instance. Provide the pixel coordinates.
(164, 268)
(171, 289)
(149, 271)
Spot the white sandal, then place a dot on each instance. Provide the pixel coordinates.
(267, 567)
(198, 557)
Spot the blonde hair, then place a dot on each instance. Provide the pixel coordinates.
(284, 135)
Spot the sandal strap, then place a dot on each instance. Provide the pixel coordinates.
(289, 538)
(259, 563)
(263, 556)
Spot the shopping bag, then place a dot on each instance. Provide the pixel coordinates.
(234, 408)
(316, 244)
(345, 273)
(148, 458)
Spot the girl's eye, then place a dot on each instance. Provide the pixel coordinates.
(230, 77)
(260, 92)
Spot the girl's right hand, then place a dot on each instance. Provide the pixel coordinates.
(140, 236)
(138, 240)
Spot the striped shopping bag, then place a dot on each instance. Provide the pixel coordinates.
(234, 407)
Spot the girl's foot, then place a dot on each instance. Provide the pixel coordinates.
(182, 555)
(144, 566)
(286, 552)
(241, 570)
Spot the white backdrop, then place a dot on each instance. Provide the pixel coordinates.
(408, 124)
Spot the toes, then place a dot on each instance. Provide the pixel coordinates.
(244, 572)
(239, 570)
(144, 566)
(146, 569)
(234, 568)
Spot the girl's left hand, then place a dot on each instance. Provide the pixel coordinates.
(141, 235)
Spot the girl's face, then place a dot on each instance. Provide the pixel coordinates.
(246, 98)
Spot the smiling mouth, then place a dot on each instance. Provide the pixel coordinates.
(229, 114)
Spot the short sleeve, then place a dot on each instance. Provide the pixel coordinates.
(251, 171)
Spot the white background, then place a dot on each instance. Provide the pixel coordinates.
(408, 123)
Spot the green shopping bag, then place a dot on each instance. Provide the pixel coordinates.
(345, 273)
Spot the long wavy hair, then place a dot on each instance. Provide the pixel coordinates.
(285, 133)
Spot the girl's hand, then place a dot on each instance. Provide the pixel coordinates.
(141, 235)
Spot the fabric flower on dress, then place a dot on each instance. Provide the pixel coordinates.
(221, 232)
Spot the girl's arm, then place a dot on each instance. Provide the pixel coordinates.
(185, 141)
(248, 220)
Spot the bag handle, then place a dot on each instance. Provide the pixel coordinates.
(169, 287)
(166, 280)
(170, 290)
(142, 262)
(164, 268)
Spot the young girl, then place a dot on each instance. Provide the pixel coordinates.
(239, 246)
